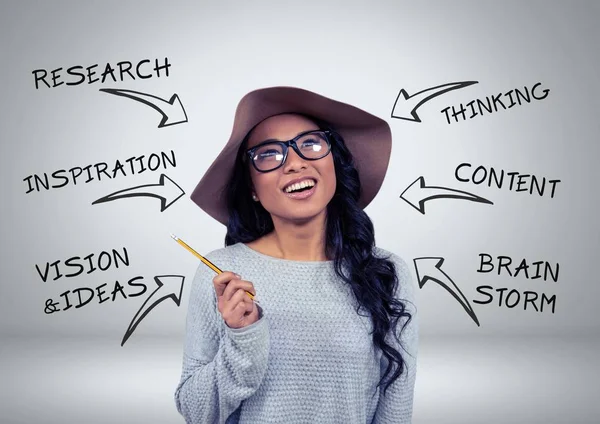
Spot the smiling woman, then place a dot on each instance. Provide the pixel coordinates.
(297, 166)
(335, 336)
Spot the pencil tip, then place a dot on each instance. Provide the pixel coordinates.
(173, 236)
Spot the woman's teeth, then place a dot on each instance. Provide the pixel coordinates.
(299, 186)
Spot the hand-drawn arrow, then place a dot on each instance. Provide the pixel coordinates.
(166, 190)
(430, 269)
(416, 195)
(406, 108)
(172, 111)
(168, 286)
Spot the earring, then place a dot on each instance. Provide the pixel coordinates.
(254, 197)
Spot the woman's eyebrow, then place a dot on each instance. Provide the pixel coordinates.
(274, 139)
(268, 140)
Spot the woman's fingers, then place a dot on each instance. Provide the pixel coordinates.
(221, 280)
(234, 304)
(235, 285)
(239, 299)
(235, 311)
(227, 283)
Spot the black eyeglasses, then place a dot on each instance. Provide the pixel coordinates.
(270, 155)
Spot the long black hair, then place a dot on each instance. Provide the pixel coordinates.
(350, 240)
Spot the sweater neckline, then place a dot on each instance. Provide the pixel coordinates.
(284, 261)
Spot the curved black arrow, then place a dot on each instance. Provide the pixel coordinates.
(169, 286)
(429, 268)
(417, 194)
(405, 106)
(166, 190)
(172, 111)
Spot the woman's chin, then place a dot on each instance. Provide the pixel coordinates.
(300, 215)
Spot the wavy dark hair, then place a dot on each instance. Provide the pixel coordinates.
(350, 240)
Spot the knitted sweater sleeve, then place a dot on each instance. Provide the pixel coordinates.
(222, 366)
(396, 406)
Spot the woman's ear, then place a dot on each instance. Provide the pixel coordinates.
(253, 191)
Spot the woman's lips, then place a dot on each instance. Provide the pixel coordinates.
(299, 195)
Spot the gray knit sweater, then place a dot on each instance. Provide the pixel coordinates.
(308, 359)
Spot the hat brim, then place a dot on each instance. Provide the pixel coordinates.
(367, 137)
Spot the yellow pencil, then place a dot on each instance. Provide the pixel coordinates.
(205, 261)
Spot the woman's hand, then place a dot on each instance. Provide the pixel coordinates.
(236, 307)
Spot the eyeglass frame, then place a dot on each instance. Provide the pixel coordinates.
(286, 145)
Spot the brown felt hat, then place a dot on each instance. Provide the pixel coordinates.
(368, 138)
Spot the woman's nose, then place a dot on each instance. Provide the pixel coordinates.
(293, 161)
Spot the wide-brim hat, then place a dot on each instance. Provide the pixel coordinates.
(368, 138)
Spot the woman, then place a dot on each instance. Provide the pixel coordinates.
(322, 346)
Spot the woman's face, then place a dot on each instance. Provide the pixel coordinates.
(270, 187)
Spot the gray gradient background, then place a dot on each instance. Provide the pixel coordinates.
(518, 366)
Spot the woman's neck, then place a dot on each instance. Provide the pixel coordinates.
(300, 242)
